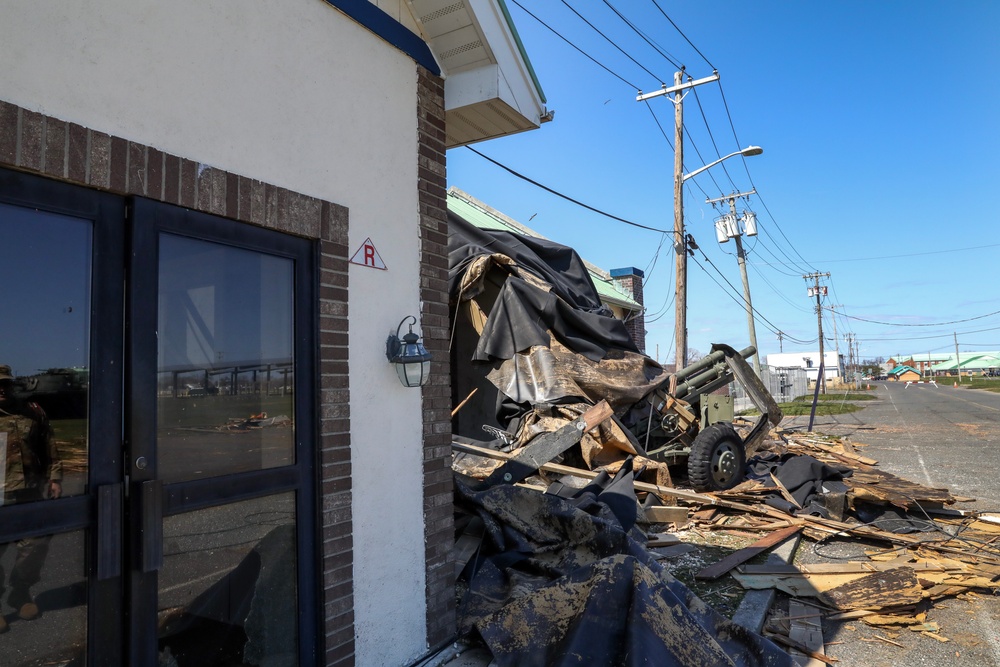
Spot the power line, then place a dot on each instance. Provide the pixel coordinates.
(612, 42)
(587, 55)
(681, 33)
(889, 339)
(930, 324)
(740, 300)
(566, 197)
(646, 39)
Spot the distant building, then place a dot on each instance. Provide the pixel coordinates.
(833, 366)
(920, 362)
(970, 363)
(904, 374)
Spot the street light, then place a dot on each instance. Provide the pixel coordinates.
(749, 151)
(680, 247)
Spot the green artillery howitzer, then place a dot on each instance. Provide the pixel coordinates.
(686, 421)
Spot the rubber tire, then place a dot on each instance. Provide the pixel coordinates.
(719, 443)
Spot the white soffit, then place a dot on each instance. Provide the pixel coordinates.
(489, 89)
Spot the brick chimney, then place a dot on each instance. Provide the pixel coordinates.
(629, 279)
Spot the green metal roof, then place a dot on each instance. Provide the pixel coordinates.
(479, 214)
(969, 360)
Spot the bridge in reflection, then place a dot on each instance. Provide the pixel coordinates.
(267, 377)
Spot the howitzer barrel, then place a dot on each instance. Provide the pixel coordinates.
(710, 360)
(716, 375)
(709, 380)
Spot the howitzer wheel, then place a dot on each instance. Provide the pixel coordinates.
(717, 459)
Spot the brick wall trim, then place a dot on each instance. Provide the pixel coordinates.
(33, 142)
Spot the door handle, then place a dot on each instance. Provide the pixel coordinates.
(109, 531)
(151, 525)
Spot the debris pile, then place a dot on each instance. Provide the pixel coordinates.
(596, 451)
(916, 550)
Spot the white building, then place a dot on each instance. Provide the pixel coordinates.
(247, 198)
(833, 367)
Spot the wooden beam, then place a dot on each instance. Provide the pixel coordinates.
(743, 555)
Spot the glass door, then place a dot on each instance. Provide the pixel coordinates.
(219, 446)
(157, 503)
(61, 268)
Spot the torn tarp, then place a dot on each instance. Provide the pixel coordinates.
(567, 581)
(530, 329)
(803, 476)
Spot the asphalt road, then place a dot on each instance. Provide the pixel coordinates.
(941, 437)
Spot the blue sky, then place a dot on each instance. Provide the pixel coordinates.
(879, 127)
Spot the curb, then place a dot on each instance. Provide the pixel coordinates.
(756, 603)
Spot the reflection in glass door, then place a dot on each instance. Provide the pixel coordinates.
(50, 317)
(225, 374)
(220, 481)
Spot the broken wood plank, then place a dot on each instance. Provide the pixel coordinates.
(832, 450)
(817, 523)
(845, 567)
(883, 639)
(662, 514)
(462, 404)
(732, 560)
(784, 492)
(876, 591)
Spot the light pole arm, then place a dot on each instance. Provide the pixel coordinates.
(748, 151)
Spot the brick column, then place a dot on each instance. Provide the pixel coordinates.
(439, 531)
(630, 280)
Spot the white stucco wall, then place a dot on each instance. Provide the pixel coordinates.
(294, 94)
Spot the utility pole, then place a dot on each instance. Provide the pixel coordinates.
(781, 346)
(836, 340)
(958, 360)
(742, 261)
(680, 245)
(818, 291)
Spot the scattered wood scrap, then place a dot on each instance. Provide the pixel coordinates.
(952, 553)
(716, 570)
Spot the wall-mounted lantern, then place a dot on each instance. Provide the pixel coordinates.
(409, 356)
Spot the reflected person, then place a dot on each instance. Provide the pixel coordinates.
(33, 471)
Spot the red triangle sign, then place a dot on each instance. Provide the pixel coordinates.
(368, 256)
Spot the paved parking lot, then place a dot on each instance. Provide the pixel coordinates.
(941, 437)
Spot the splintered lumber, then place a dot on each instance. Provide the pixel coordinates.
(877, 590)
(662, 514)
(708, 500)
(784, 492)
(841, 454)
(716, 570)
(462, 404)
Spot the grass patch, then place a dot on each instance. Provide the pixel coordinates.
(822, 409)
(827, 404)
(986, 384)
(836, 397)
